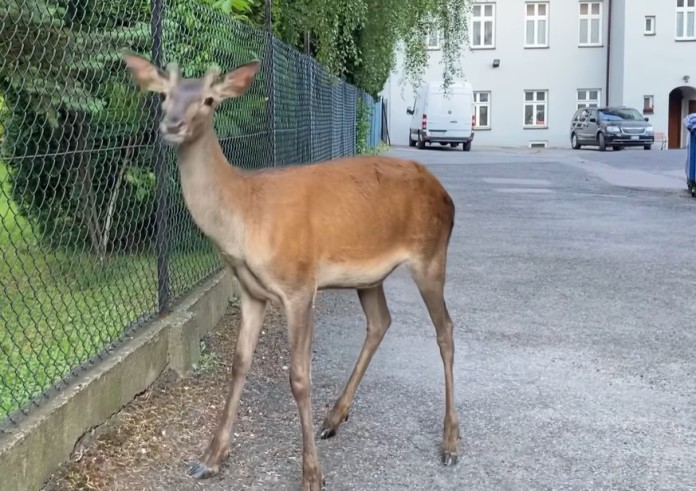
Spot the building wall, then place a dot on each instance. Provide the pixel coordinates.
(561, 68)
(618, 53)
(640, 65)
(654, 65)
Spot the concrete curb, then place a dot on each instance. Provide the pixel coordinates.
(45, 439)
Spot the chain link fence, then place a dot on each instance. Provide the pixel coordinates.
(95, 238)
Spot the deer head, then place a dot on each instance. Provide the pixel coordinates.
(188, 103)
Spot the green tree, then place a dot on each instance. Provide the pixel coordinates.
(73, 130)
(358, 39)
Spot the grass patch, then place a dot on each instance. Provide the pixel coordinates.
(380, 148)
(59, 309)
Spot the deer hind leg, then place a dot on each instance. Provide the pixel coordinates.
(252, 315)
(300, 334)
(429, 276)
(374, 305)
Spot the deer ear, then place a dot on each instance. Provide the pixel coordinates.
(144, 73)
(236, 82)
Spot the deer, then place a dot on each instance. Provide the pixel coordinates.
(286, 233)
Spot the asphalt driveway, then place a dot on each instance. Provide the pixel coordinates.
(571, 286)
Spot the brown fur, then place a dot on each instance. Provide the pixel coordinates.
(286, 233)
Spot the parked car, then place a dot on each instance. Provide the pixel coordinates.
(444, 119)
(612, 126)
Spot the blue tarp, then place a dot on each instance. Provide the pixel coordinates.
(690, 122)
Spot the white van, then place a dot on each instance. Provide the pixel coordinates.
(440, 118)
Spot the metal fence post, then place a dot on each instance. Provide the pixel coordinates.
(271, 76)
(161, 195)
(310, 99)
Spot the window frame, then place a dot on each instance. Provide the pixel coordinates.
(648, 108)
(477, 106)
(587, 100)
(653, 20)
(535, 19)
(685, 9)
(483, 19)
(535, 104)
(590, 17)
(436, 32)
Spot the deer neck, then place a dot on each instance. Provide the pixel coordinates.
(213, 191)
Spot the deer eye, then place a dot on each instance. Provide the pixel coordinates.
(208, 101)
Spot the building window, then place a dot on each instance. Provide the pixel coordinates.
(648, 104)
(686, 20)
(588, 98)
(535, 108)
(649, 27)
(590, 24)
(433, 41)
(483, 25)
(482, 110)
(536, 25)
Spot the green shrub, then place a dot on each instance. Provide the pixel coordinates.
(363, 125)
(79, 134)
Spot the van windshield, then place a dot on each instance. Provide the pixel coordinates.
(620, 114)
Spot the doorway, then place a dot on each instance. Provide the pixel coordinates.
(675, 134)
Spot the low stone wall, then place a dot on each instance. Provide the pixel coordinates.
(46, 438)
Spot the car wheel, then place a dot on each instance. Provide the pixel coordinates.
(574, 142)
(647, 147)
(616, 148)
(466, 146)
(601, 142)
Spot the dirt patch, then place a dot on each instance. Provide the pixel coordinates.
(145, 445)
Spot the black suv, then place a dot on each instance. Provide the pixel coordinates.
(614, 126)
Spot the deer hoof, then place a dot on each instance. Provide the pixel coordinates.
(450, 458)
(330, 426)
(326, 433)
(198, 470)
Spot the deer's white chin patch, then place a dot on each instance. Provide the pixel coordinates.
(174, 138)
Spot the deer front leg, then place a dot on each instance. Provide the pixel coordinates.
(374, 305)
(300, 334)
(252, 315)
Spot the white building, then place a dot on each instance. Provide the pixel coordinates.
(551, 57)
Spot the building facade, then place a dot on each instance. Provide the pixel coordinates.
(533, 63)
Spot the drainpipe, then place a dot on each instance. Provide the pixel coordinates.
(608, 48)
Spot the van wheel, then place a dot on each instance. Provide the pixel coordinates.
(411, 141)
(466, 146)
(454, 145)
(420, 144)
(647, 147)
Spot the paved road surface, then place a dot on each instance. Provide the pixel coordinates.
(571, 285)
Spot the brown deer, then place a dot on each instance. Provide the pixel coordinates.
(286, 233)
